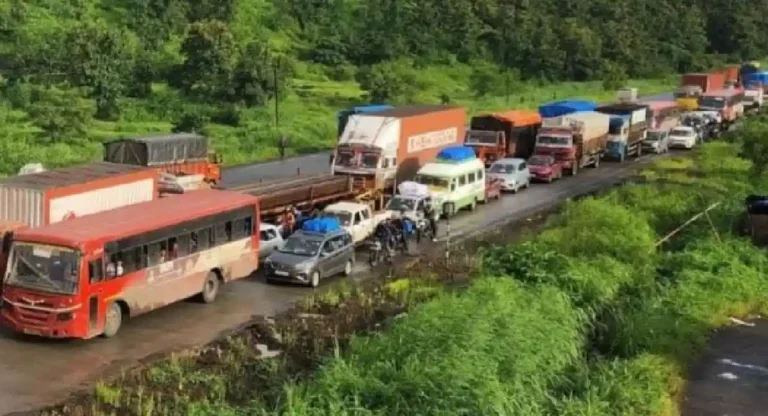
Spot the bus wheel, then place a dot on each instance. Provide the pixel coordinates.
(113, 320)
(210, 288)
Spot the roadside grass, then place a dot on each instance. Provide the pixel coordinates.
(590, 317)
(307, 114)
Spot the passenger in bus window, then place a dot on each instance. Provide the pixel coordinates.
(193, 242)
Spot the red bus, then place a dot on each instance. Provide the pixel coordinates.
(729, 102)
(80, 278)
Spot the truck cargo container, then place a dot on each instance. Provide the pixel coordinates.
(565, 107)
(627, 130)
(756, 80)
(500, 135)
(343, 115)
(575, 140)
(693, 85)
(178, 154)
(47, 197)
(729, 102)
(383, 148)
(746, 69)
(304, 193)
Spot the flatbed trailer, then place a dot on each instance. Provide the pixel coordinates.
(303, 192)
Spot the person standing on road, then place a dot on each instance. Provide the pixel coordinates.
(431, 216)
(283, 145)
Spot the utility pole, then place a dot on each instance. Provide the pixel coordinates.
(275, 68)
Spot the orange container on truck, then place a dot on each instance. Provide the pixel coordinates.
(499, 135)
(575, 140)
(380, 149)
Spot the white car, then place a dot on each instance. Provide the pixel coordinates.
(512, 172)
(271, 239)
(682, 137)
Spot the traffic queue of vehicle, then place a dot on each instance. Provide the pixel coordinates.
(86, 247)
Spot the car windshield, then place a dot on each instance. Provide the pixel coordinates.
(554, 140)
(681, 132)
(45, 268)
(538, 161)
(501, 168)
(301, 246)
(712, 102)
(432, 181)
(345, 218)
(399, 203)
(654, 136)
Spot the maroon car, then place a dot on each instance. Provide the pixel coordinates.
(545, 168)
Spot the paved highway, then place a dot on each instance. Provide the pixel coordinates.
(35, 373)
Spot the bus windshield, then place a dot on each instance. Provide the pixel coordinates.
(712, 102)
(45, 268)
(432, 181)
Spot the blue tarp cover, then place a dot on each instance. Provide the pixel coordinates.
(321, 225)
(456, 154)
(565, 107)
(618, 120)
(756, 77)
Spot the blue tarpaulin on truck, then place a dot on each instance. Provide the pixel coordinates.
(754, 78)
(321, 225)
(456, 154)
(565, 107)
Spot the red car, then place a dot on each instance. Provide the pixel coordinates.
(545, 168)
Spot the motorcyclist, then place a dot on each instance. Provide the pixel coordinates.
(431, 216)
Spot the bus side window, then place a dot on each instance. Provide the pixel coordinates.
(205, 239)
(96, 271)
(221, 233)
(183, 244)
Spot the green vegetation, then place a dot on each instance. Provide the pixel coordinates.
(77, 72)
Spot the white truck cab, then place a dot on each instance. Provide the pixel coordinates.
(357, 219)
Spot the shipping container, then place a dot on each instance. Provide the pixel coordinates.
(47, 197)
(343, 115)
(707, 82)
(565, 107)
(383, 148)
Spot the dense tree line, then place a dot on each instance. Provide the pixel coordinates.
(222, 50)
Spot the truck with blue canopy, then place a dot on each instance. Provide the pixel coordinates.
(565, 107)
(627, 129)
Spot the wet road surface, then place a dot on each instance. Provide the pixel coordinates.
(731, 379)
(35, 373)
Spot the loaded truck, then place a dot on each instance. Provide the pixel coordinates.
(576, 140)
(304, 193)
(627, 129)
(565, 107)
(380, 149)
(180, 154)
(694, 85)
(499, 135)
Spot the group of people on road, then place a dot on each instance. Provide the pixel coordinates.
(397, 231)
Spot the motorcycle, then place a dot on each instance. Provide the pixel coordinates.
(377, 252)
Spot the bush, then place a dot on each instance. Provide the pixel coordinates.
(496, 349)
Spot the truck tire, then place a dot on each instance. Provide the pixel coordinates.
(597, 161)
(575, 168)
(639, 150)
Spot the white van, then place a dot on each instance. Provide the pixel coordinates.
(454, 185)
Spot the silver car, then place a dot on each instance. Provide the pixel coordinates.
(306, 257)
(512, 172)
(657, 141)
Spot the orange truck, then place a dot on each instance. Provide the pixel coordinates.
(498, 135)
(181, 154)
(694, 85)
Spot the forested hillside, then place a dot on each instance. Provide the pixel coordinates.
(75, 72)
